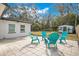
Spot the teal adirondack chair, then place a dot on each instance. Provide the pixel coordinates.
(52, 39)
(63, 36)
(43, 35)
(34, 38)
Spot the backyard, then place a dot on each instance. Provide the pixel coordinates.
(25, 29)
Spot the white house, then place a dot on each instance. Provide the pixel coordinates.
(67, 28)
(10, 28)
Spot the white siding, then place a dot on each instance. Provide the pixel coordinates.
(4, 29)
(67, 28)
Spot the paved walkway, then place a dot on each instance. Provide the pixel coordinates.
(23, 47)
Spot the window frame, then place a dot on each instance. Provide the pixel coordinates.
(10, 29)
(22, 29)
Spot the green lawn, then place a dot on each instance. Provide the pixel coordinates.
(70, 36)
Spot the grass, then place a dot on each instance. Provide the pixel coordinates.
(39, 33)
(70, 36)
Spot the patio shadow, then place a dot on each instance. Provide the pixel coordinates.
(53, 52)
(33, 45)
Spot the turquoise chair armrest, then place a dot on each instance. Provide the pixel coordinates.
(47, 40)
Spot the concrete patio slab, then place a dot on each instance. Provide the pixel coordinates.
(23, 47)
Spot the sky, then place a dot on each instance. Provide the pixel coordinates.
(42, 8)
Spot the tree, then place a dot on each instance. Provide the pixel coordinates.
(60, 8)
(36, 26)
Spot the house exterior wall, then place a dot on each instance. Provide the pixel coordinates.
(69, 29)
(4, 29)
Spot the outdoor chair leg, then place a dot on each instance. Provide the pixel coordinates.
(42, 38)
(48, 45)
(56, 46)
(61, 42)
(31, 41)
(38, 41)
(65, 42)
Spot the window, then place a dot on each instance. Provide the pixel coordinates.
(64, 28)
(70, 30)
(22, 28)
(60, 28)
(11, 28)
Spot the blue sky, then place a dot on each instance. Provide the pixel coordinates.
(46, 7)
(51, 7)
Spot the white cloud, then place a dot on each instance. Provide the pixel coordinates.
(43, 11)
(39, 11)
(6, 15)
